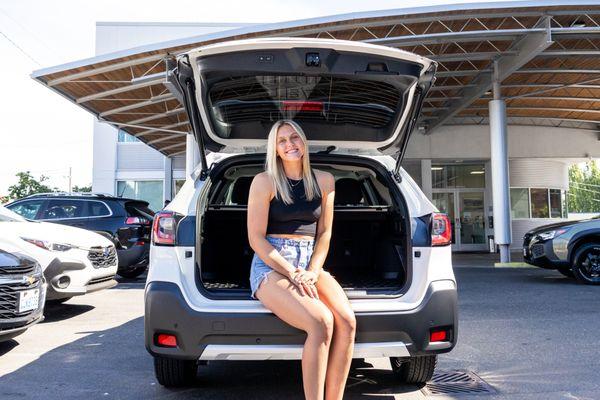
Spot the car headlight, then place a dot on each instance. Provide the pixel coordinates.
(47, 245)
(551, 234)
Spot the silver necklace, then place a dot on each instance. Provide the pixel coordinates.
(292, 185)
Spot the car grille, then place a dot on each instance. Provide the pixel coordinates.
(537, 250)
(103, 257)
(9, 299)
(19, 270)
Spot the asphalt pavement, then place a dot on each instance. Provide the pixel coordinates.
(526, 332)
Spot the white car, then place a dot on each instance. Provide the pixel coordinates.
(74, 261)
(390, 248)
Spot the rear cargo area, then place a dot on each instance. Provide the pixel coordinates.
(367, 253)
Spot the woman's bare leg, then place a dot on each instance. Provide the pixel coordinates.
(282, 297)
(342, 345)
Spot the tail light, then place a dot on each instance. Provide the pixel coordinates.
(441, 230)
(136, 221)
(164, 228)
(301, 105)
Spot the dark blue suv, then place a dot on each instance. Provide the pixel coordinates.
(127, 222)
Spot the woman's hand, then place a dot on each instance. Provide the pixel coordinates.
(305, 281)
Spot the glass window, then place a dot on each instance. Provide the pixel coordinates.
(519, 203)
(125, 137)
(177, 184)
(555, 204)
(539, 203)
(150, 191)
(27, 209)
(457, 176)
(64, 208)
(97, 209)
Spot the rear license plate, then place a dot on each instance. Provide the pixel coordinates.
(29, 300)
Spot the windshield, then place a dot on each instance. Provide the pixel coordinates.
(8, 216)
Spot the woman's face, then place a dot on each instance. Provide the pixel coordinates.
(289, 144)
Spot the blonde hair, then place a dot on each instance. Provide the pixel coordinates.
(274, 165)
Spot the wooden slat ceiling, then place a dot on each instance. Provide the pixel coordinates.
(559, 87)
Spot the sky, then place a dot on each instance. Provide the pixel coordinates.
(45, 134)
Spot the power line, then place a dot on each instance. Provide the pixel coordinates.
(20, 49)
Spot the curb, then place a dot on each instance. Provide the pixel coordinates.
(512, 265)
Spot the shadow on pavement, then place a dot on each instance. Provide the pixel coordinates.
(114, 364)
(60, 312)
(7, 346)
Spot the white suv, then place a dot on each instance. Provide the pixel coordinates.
(390, 249)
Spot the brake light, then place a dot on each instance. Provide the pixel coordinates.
(164, 228)
(439, 336)
(136, 221)
(165, 340)
(299, 105)
(441, 230)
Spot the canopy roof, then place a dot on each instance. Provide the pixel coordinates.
(547, 55)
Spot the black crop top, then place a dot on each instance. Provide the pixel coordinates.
(298, 218)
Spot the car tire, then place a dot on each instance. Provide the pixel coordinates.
(566, 271)
(586, 263)
(417, 370)
(174, 373)
(131, 273)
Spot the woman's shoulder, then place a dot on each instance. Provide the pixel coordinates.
(262, 182)
(324, 179)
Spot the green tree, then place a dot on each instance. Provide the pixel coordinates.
(28, 185)
(82, 189)
(584, 188)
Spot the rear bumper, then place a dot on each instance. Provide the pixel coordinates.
(261, 336)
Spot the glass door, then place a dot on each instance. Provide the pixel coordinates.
(472, 221)
(466, 211)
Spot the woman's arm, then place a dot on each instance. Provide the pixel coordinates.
(325, 223)
(258, 218)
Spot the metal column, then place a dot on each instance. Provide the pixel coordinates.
(168, 179)
(192, 154)
(500, 177)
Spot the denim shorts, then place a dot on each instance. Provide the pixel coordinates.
(296, 251)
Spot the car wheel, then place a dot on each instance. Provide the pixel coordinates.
(174, 373)
(566, 271)
(132, 272)
(586, 264)
(415, 369)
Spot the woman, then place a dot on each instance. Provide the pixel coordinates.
(290, 214)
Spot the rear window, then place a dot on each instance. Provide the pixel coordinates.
(139, 209)
(327, 107)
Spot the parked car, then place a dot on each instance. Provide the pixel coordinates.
(74, 261)
(571, 247)
(22, 291)
(390, 249)
(126, 222)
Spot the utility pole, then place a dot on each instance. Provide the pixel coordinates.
(70, 187)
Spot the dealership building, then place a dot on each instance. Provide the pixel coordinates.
(515, 103)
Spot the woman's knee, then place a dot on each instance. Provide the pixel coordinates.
(345, 324)
(322, 325)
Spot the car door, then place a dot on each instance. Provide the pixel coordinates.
(30, 209)
(65, 211)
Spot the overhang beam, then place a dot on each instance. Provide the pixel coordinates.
(532, 44)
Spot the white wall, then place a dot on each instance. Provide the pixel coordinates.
(473, 142)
